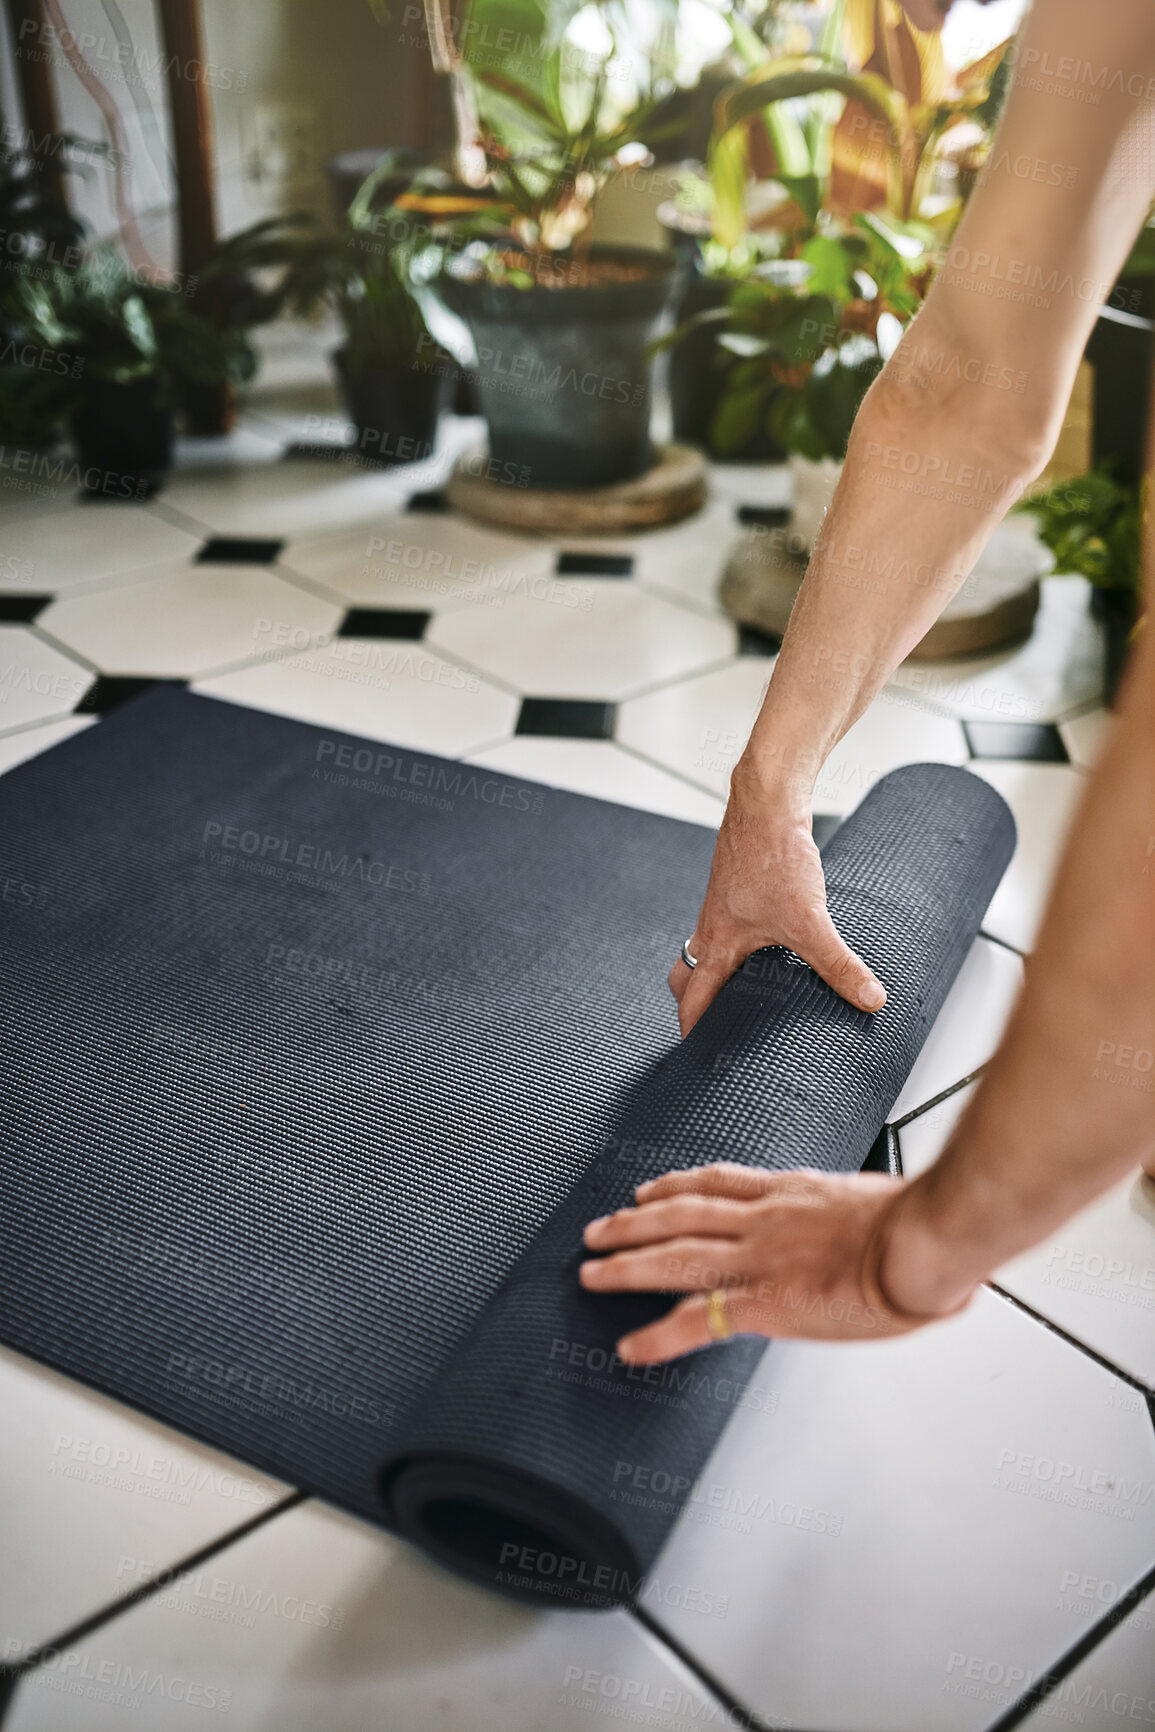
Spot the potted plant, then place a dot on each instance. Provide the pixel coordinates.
(140, 347)
(1093, 526)
(856, 127)
(40, 235)
(394, 378)
(560, 326)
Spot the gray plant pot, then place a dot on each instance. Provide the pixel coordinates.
(562, 374)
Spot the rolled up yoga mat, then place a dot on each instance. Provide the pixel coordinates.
(318, 1054)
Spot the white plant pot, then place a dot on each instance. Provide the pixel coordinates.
(814, 485)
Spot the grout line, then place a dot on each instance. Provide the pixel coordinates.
(1051, 1679)
(736, 1713)
(9, 1673)
(667, 769)
(1136, 1383)
(937, 1100)
(1005, 943)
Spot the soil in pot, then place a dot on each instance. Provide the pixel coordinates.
(123, 435)
(562, 373)
(395, 409)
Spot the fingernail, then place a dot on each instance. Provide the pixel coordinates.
(646, 1185)
(600, 1222)
(873, 995)
(585, 1270)
(625, 1350)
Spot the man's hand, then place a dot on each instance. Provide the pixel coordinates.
(766, 887)
(790, 1251)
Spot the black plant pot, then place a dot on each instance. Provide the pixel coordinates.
(562, 373)
(123, 436)
(697, 379)
(1118, 609)
(395, 409)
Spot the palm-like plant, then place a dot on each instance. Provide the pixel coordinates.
(875, 150)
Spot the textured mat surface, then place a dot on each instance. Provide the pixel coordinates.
(318, 1054)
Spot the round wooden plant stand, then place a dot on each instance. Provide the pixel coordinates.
(674, 488)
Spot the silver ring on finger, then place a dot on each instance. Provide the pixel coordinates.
(690, 961)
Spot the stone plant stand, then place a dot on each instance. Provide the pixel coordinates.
(995, 606)
(674, 488)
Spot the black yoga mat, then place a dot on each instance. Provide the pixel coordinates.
(317, 1056)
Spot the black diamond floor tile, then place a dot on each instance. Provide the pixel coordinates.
(392, 622)
(432, 499)
(107, 691)
(1033, 742)
(566, 718)
(822, 827)
(764, 516)
(752, 642)
(20, 609)
(240, 550)
(578, 564)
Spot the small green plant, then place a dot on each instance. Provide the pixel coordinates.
(801, 339)
(1093, 526)
(362, 269)
(122, 329)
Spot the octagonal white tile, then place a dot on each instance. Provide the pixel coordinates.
(1094, 1276)
(584, 638)
(405, 693)
(700, 726)
(424, 560)
(30, 742)
(1115, 1684)
(88, 1482)
(687, 560)
(1058, 667)
(280, 497)
(36, 681)
(1044, 799)
(190, 620)
(969, 1026)
(897, 1509)
(75, 544)
(316, 1621)
(605, 771)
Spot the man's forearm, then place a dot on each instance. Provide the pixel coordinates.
(1064, 1111)
(942, 447)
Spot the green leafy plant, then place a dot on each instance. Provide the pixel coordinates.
(546, 121)
(801, 340)
(118, 328)
(1093, 526)
(295, 263)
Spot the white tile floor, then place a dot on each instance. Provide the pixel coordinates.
(899, 1538)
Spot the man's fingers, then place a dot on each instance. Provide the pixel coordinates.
(676, 1265)
(833, 959)
(722, 1179)
(705, 983)
(685, 1328)
(714, 1217)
